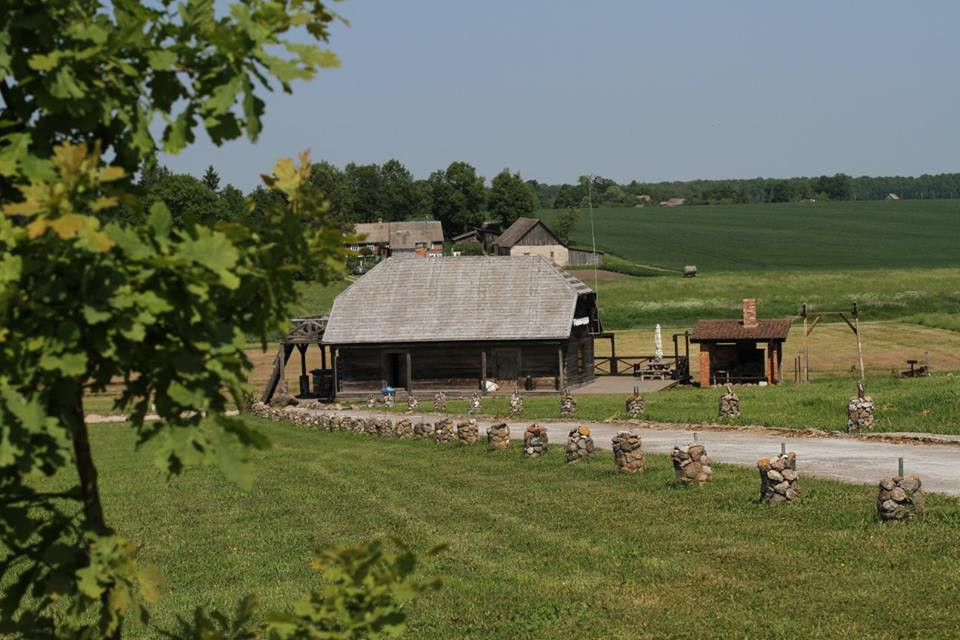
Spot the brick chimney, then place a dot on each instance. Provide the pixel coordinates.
(750, 312)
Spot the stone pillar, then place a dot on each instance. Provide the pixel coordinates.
(467, 432)
(498, 437)
(385, 428)
(704, 365)
(568, 406)
(579, 444)
(635, 405)
(900, 498)
(422, 430)
(475, 403)
(860, 412)
(535, 441)
(412, 403)
(440, 401)
(691, 465)
(628, 452)
(516, 403)
(403, 428)
(778, 478)
(729, 404)
(443, 431)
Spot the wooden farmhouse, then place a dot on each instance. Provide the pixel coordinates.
(729, 350)
(531, 237)
(418, 239)
(455, 322)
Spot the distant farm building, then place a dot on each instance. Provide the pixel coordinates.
(892, 196)
(729, 351)
(673, 202)
(485, 235)
(452, 324)
(531, 237)
(401, 239)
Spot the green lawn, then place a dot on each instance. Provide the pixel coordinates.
(539, 549)
(929, 405)
(754, 237)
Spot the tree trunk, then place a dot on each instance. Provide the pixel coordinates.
(89, 489)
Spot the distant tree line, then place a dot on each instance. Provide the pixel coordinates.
(607, 193)
(460, 199)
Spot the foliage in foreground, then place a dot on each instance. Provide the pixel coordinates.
(365, 589)
(165, 306)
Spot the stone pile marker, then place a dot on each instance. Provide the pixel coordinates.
(628, 452)
(579, 444)
(779, 478)
(535, 441)
(422, 429)
(635, 405)
(467, 432)
(403, 428)
(498, 437)
(729, 404)
(900, 498)
(385, 428)
(475, 403)
(443, 431)
(412, 403)
(516, 403)
(568, 406)
(691, 465)
(440, 401)
(372, 401)
(860, 412)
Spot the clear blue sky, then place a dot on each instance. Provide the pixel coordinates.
(624, 89)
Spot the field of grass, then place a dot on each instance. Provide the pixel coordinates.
(822, 235)
(929, 405)
(539, 549)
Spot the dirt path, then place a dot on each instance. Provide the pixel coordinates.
(849, 459)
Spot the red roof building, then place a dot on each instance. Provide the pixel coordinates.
(729, 351)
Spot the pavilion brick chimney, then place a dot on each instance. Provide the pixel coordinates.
(750, 312)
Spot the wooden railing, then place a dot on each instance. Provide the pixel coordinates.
(668, 367)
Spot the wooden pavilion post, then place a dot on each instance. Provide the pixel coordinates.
(560, 380)
(483, 370)
(409, 373)
(856, 330)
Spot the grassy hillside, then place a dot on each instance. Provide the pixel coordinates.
(538, 549)
(828, 235)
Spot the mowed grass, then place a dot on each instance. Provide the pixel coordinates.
(539, 549)
(925, 405)
(821, 235)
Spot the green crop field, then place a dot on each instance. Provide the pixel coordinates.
(828, 235)
(538, 549)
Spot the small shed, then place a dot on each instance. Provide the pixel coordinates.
(729, 350)
(454, 322)
(531, 237)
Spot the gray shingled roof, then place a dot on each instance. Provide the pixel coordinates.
(401, 235)
(456, 299)
(516, 231)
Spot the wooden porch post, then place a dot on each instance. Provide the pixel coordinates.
(560, 380)
(409, 373)
(333, 364)
(323, 356)
(483, 369)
